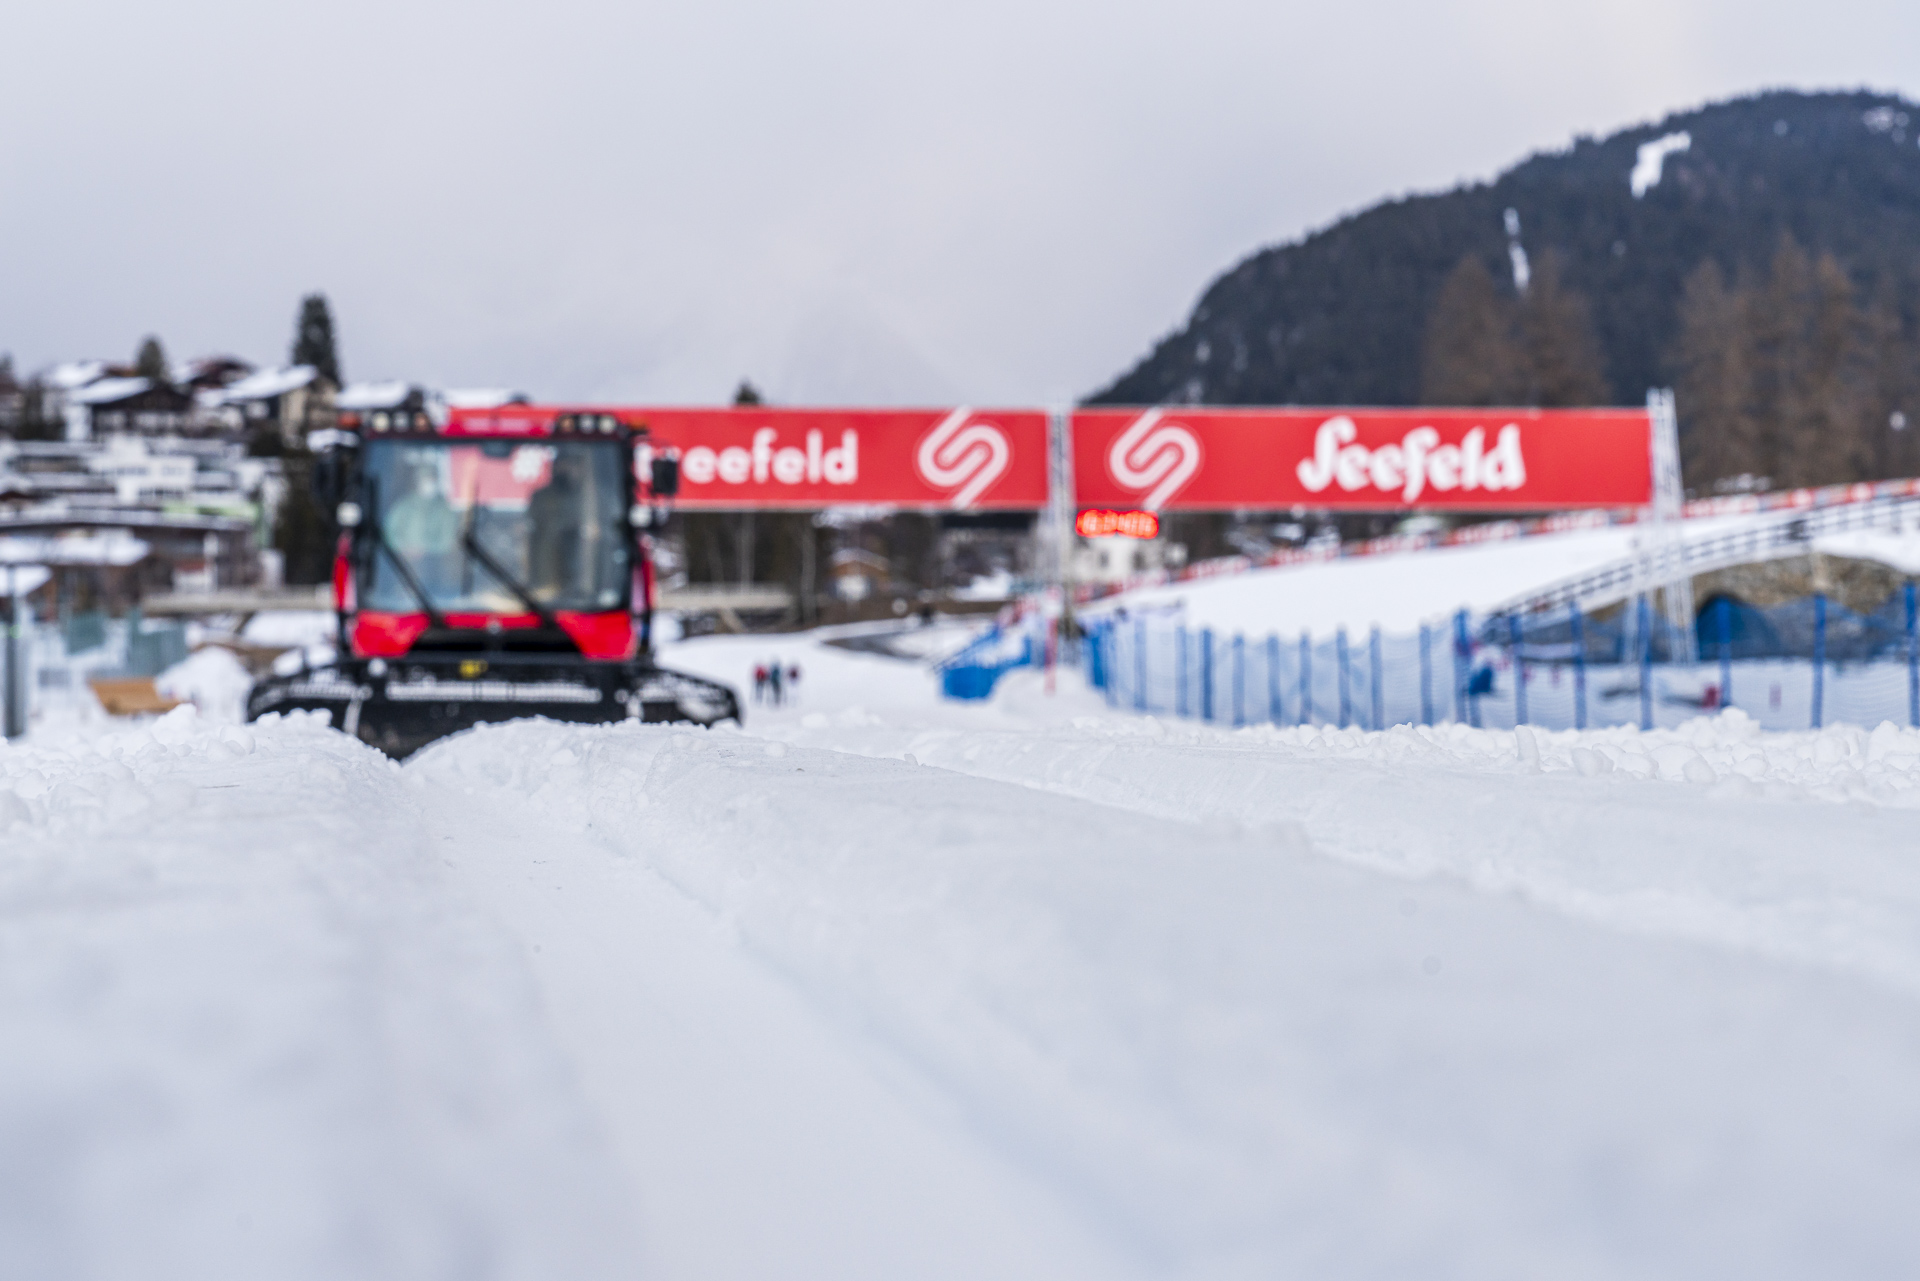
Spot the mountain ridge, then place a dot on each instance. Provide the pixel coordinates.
(1339, 316)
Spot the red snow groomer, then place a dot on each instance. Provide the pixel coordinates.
(492, 565)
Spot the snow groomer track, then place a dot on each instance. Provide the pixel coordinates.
(885, 988)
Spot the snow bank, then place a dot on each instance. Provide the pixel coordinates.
(247, 1034)
(1708, 833)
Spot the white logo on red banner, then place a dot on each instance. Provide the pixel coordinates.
(1419, 460)
(768, 460)
(1156, 456)
(964, 457)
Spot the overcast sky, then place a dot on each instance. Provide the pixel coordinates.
(848, 201)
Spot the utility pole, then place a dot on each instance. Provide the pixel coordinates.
(16, 691)
(1669, 540)
(1057, 525)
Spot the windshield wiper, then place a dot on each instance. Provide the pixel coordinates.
(413, 584)
(469, 541)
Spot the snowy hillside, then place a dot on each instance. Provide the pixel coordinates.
(885, 987)
(1399, 591)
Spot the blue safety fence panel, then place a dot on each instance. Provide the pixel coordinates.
(1791, 666)
(972, 673)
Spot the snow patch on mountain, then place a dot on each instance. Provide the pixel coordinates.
(1651, 158)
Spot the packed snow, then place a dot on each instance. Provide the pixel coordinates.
(882, 986)
(212, 679)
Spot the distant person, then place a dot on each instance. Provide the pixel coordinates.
(774, 682)
(793, 680)
(759, 683)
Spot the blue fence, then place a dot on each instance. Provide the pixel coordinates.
(1792, 666)
(972, 673)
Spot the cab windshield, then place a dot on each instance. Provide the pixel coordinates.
(477, 523)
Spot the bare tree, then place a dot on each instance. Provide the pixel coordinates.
(1556, 332)
(1472, 354)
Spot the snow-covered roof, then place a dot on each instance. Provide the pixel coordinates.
(24, 579)
(108, 390)
(75, 373)
(484, 398)
(75, 547)
(268, 383)
(185, 371)
(372, 395)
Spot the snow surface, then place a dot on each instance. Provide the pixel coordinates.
(249, 1031)
(1899, 550)
(1397, 591)
(886, 987)
(17, 575)
(1400, 590)
(212, 679)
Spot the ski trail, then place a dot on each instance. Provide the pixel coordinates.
(1800, 862)
(760, 1141)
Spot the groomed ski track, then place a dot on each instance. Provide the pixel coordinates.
(888, 989)
(757, 1139)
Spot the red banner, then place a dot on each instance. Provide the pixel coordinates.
(953, 459)
(1155, 459)
(1458, 459)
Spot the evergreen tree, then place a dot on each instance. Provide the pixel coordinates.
(1890, 445)
(1556, 330)
(1472, 354)
(1789, 378)
(35, 422)
(300, 529)
(1808, 355)
(12, 397)
(151, 363)
(1719, 421)
(747, 394)
(313, 340)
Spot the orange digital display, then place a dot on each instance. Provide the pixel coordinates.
(1101, 523)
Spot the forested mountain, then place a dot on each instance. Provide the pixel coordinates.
(1762, 256)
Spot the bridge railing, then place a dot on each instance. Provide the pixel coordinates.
(1658, 565)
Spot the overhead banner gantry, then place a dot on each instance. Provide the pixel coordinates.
(1155, 459)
